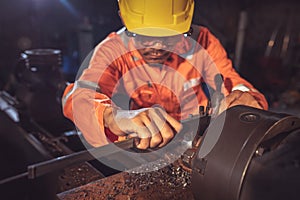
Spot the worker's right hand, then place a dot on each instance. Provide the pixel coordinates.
(238, 97)
(153, 126)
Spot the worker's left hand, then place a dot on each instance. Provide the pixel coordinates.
(238, 97)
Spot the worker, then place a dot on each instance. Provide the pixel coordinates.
(145, 78)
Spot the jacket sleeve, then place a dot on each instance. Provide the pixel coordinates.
(218, 62)
(85, 100)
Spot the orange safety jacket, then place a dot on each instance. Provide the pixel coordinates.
(117, 70)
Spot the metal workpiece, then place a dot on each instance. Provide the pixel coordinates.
(40, 169)
(240, 149)
(235, 155)
(124, 156)
(171, 182)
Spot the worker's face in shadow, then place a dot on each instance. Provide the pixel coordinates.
(156, 50)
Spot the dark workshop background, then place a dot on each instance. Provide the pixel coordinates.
(268, 56)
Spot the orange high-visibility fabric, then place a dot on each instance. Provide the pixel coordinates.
(118, 68)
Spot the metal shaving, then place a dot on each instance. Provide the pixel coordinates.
(155, 165)
(173, 176)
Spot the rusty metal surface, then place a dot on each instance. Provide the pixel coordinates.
(171, 182)
(78, 175)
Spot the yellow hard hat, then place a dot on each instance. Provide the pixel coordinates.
(157, 17)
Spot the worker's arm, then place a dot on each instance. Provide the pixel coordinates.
(236, 89)
(85, 100)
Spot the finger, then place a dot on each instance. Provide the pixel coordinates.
(136, 141)
(156, 140)
(228, 101)
(233, 96)
(132, 135)
(246, 99)
(142, 131)
(173, 122)
(150, 124)
(140, 126)
(166, 132)
(250, 100)
(144, 143)
(157, 121)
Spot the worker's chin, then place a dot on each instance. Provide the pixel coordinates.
(154, 56)
(155, 61)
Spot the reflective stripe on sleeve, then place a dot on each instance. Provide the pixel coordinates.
(191, 83)
(81, 84)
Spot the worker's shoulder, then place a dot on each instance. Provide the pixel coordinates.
(203, 35)
(112, 40)
(198, 30)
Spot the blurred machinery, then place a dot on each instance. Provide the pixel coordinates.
(37, 84)
(33, 129)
